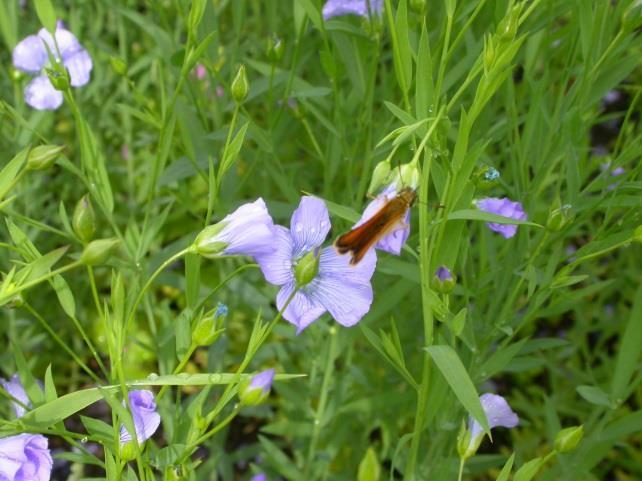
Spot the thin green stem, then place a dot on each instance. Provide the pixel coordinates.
(60, 342)
(323, 399)
(151, 279)
(462, 461)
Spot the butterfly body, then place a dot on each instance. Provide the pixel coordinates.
(387, 219)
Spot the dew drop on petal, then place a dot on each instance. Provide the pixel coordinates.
(298, 227)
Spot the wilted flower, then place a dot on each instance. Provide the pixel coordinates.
(364, 8)
(498, 413)
(257, 389)
(31, 56)
(249, 231)
(25, 457)
(394, 240)
(17, 391)
(334, 285)
(146, 419)
(506, 208)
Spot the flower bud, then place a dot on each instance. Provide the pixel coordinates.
(59, 77)
(84, 220)
(507, 28)
(209, 327)
(118, 65)
(380, 177)
(98, 251)
(465, 448)
(307, 268)
(275, 49)
(43, 156)
(206, 243)
(369, 469)
(568, 439)
(408, 176)
(489, 53)
(486, 177)
(129, 451)
(443, 281)
(255, 391)
(14, 301)
(240, 86)
(558, 218)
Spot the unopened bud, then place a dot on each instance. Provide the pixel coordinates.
(43, 156)
(568, 439)
(118, 65)
(443, 281)
(255, 391)
(489, 53)
(558, 218)
(84, 220)
(240, 86)
(380, 177)
(98, 251)
(275, 49)
(307, 268)
(59, 77)
(486, 177)
(408, 176)
(369, 468)
(507, 28)
(129, 451)
(210, 326)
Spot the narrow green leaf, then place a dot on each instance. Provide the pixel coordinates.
(232, 151)
(46, 14)
(505, 472)
(473, 214)
(50, 387)
(594, 395)
(529, 469)
(455, 374)
(10, 171)
(629, 352)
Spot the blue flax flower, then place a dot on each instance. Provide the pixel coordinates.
(363, 8)
(498, 413)
(336, 286)
(24, 457)
(31, 56)
(146, 419)
(248, 230)
(259, 477)
(506, 208)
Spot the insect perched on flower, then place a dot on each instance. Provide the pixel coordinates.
(390, 219)
(315, 279)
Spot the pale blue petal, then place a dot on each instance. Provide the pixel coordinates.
(30, 55)
(277, 264)
(79, 66)
(262, 380)
(335, 8)
(41, 95)
(17, 391)
(343, 289)
(302, 310)
(146, 419)
(309, 225)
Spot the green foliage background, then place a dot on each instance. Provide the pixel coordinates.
(550, 319)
